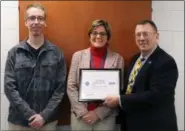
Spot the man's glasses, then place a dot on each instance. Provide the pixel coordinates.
(33, 18)
(102, 34)
(144, 34)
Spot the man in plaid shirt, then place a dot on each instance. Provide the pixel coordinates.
(35, 76)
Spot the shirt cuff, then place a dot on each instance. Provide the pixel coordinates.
(119, 101)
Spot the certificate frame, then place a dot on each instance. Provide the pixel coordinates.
(84, 71)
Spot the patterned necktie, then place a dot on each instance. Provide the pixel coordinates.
(133, 75)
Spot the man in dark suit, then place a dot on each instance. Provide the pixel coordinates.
(148, 100)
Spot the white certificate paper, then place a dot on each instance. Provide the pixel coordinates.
(97, 84)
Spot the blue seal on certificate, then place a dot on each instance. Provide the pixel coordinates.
(87, 83)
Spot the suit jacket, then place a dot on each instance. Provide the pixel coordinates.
(81, 59)
(150, 106)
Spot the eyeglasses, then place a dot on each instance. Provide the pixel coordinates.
(145, 34)
(33, 18)
(102, 34)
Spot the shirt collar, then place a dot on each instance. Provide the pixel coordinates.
(46, 46)
(148, 55)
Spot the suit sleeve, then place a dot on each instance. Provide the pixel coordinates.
(103, 111)
(161, 88)
(72, 87)
(11, 90)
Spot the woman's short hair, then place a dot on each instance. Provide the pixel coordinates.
(103, 23)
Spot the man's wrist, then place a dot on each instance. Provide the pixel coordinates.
(42, 119)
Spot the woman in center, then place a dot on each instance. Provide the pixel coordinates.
(91, 116)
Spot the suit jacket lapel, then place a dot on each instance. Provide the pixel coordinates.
(86, 58)
(110, 59)
(146, 65)
(143, 70)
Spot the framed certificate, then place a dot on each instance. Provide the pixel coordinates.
(96, 84)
